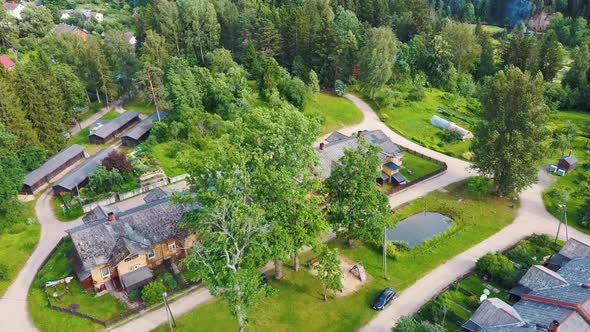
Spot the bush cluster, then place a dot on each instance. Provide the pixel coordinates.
(498, 268)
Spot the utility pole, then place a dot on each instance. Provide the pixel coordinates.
(385, 254)
(171, 320)
(562, 219)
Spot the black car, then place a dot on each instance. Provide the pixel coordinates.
(263, 279)
(383, 299)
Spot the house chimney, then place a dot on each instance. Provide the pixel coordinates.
(322, 145)
(359, 133)
(570, 153)
(554, 326)
(111, 216)
(585, 285)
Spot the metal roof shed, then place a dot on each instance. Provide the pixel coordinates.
(138, 133)
(52, 167)
(113, 127)
(79, 176)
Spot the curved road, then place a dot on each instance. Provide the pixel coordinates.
(531, 218)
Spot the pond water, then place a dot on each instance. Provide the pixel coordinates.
(419, 228)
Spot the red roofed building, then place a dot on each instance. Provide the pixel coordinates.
(6, 62)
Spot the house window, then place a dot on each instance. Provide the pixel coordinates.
(105, 272)
(172, 246)
(151, 254)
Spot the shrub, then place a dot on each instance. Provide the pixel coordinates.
(449, 137)
(559, 195)
(169, 281)
(340, 88)
(478, 186)
(472, 302)
(117, 160)
(416, 93)
(584, 213)
(497, 267)
(135, 294)
(4, 271)
(542, 240)
(152, 292)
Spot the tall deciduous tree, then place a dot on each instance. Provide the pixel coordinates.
(521, 50)
(376, 60)
(464, 47)
(232, 231)
(357, 208)
(12, 116)
(11, 177)
(36, 21)
(508, 141)
(328, 269)
(552, 55)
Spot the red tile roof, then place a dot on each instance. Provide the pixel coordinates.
(6, 62)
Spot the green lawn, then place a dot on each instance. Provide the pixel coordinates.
(46, 319)
(573, 181)
(336, 111)
(140, 106)
(297, 304)
(412, 119)
(418, 165)
(168, 160)
(18, 242)
(73, 213)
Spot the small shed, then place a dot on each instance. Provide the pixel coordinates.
(78, 177)
(110, 129)
(567, 163)
(140, 132)
(398, 179)
(52, 167)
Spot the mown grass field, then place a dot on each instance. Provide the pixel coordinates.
(297, 304)
(418, 165)
(170, 162)
(573, 182)
(412, 119)
(48, 320)
(337, 112)
(17, 242)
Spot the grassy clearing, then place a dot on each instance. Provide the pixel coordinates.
(18, 242)
(572, 182)
(297, 304)
(418, 165)
(336, 111)
(168, 155)
(140, 106)
(74, 212)
(412, 119)
(46, 319)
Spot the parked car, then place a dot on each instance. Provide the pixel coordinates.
(263, 279)
(383, 299)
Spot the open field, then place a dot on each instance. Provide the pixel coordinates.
(297, 303)
(336, 111)
(412, 119)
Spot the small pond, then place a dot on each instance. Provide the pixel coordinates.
(419, 228)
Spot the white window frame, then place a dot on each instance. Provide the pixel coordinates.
(172, 246)
(104, 276)
(151, 254)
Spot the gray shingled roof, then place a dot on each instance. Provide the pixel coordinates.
(576, 271)
(136, 278)
(536, 312)
(99, 242)
(115, 124)
(80, 173)
(333, 151)
(61, 28)
(144, 126)
(335, 137)
(493, 312)
(99, 212)
(157, 194)
(53, 163)
(575, 248)
(540, 277)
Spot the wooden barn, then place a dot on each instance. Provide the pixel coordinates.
(106, 131)
(52, 167)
